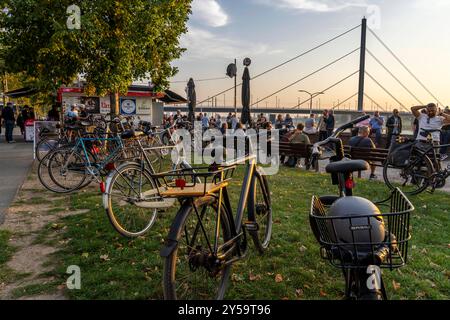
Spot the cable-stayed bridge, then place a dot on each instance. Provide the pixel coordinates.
(361, 96)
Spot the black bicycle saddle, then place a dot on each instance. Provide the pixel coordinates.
(346, 165)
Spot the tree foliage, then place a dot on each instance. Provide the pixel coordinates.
(119, 41)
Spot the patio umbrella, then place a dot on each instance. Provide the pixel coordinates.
(245, 119)
(192, 99)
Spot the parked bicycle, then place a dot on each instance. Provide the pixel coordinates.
(206, 238)
(414, 166)
(353, 233)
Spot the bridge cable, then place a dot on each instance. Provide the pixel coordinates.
(377, 104)
(404, 66)
(330, 87)
(340, 103)
(200, 80)
(393, 76)
(287, 61)
(386, 90)
(307, 76)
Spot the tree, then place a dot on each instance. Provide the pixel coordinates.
(118, 42)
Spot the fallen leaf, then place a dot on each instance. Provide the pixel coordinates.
(323, 293)
(104, 257)
(302, 248)
(299, 292)
(85, 254)
(253, 277)
(278, 278)
(306, 286)
(395, 285)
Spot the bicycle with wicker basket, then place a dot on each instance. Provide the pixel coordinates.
(206, 238)
(353, 233)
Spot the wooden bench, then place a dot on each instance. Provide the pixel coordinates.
(375, 157)
(297, 150)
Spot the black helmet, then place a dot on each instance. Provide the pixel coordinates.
(368, 229)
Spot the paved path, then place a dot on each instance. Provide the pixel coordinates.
(15, 161)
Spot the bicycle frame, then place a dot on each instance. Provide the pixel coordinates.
(80, 144)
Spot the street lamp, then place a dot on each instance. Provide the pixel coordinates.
(312, 95)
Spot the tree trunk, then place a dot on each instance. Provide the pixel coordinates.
(114, 101)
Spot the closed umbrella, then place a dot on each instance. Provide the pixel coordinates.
(192, 99)
(245, 119)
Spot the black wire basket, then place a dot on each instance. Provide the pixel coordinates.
(350, 251)
(193, 182)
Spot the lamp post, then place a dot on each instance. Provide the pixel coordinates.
(312, 95)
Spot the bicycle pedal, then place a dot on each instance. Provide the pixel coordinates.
(251, 226)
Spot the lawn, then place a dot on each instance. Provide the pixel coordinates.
(116, 268)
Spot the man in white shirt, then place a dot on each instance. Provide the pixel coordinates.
(432, 120)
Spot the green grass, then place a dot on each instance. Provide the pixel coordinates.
(7, 275)
(116, 268)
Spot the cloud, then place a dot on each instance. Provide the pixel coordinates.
(315, 5)
(209, 12)
(201, 44)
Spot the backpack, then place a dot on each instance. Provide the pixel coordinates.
(400, 153)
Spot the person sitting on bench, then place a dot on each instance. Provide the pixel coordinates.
(363, 141)
(298, 137)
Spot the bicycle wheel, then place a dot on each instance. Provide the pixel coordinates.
(44, 176)
(191, 270)
(260, 212)
(45, 146)
(67, 169)
(126, 187)
(412, 179)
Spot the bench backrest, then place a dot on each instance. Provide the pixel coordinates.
(374, 155)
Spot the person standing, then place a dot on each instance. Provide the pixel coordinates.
(234, 121)
(394, 127)
(432, 120)
(376, 126)
(445, 137)
(322, 126)
(53, 114)
(330, 123)
(9, 121)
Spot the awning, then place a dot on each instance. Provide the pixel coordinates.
(19, 93)
(171, 97)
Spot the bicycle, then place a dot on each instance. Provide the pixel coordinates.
(353, 233)
(131, 198)
(91, 157)
(205, 239)
(419, 169)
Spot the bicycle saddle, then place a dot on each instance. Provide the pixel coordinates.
(431, 130)
(131, 134)
(347, 165)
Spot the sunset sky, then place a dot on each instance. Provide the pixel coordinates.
(272, 31)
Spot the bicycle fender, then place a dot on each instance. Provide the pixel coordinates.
(174, 234)
(169, 247)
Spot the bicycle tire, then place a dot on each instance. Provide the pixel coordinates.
(112, 210)
(76, 167)
(193, 288)
(416, 188)
(44, 176)
(260, 212)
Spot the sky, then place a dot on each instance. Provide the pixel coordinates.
(273, 31)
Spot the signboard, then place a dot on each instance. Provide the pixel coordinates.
(92, 104)
(127, 106)
(105, 107)
(144, 106)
